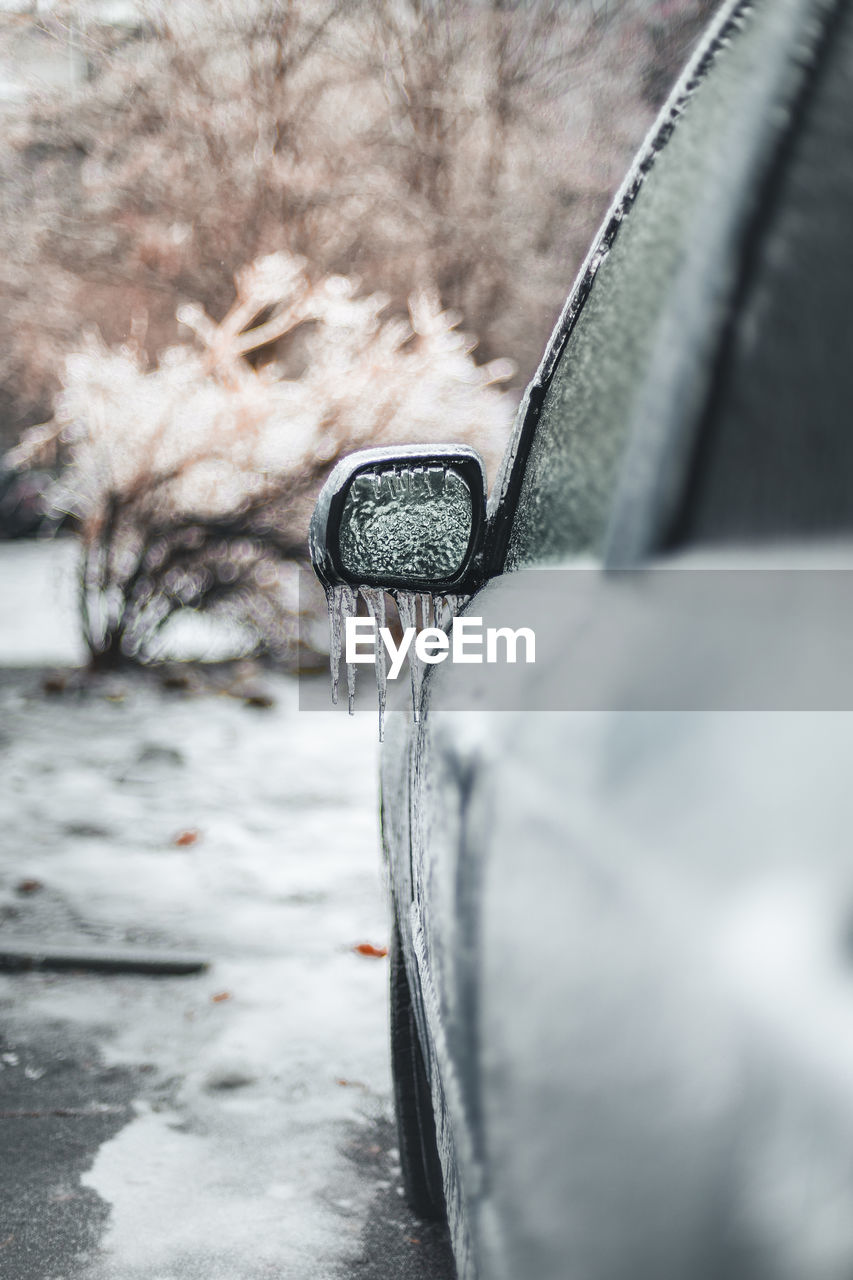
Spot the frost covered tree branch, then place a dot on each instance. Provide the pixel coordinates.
(468, 146)
(193, 479)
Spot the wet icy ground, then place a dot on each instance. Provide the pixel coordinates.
(235, 1124)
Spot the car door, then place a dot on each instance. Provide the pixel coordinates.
(631, 441)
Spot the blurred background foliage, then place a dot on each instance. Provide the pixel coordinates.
(437, 166)
(471, 146)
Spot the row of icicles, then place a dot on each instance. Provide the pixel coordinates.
(435, 611)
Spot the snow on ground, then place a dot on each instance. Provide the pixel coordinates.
(233, 1166)
(37, 603)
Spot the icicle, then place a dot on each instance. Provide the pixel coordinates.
(342, 604)
(445, 609)
(443, 612)
(435, 611)
(455, 604)
(427, 610)
(374, 598)
(407, 607)
(351, 687)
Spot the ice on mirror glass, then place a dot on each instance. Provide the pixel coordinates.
(417, 610)
(412, 521)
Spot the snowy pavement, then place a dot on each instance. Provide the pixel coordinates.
(233, 1124)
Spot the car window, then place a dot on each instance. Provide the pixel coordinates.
(571, 472)
(775, 455)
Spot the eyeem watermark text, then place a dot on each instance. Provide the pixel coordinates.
(468, 641)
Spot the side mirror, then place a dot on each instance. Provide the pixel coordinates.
(410, 519)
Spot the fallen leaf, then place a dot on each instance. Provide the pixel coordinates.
(29, 886)
(368, 949)
(186, 837)
(220, 996)
(261, 700)
(176, 680)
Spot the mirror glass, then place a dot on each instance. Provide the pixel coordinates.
(406, 522)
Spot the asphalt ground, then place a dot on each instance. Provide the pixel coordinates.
(228, 1125)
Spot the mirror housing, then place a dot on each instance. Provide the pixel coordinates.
(410, 518)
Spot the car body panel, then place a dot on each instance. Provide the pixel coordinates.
(642, 1109)
(640, 1043)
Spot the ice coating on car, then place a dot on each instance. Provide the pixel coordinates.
(342, 602)
(435, 611)
(407, 608)
(406, 521)
(428, 614)
(374, 598)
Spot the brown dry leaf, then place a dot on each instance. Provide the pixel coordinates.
(220, 996)
(368, 949)
(263, 701)
(178, 680)
(184, 838)
(29, 886)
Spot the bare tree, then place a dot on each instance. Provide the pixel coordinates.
(471, 145)
(450, 155)
(193, 481)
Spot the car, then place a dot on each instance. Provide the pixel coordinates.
(621, 1001)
